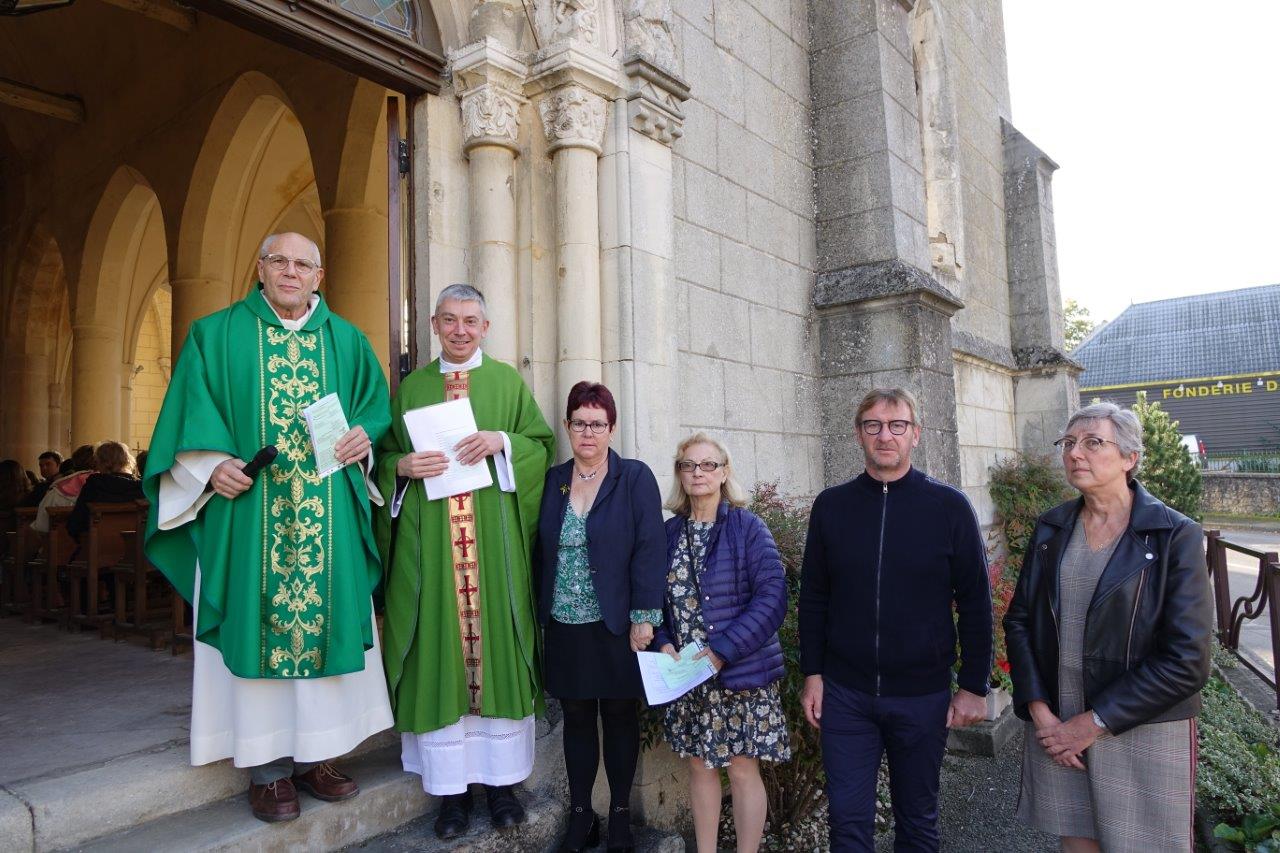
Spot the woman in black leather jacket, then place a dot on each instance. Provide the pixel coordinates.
(1108, 636)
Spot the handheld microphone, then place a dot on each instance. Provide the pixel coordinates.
(260, 460)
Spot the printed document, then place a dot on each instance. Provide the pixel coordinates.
(326, 423)
(441, 427)
(666, 679)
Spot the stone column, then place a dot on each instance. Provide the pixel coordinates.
(193, 298)
(95, 394)
(27, 416)
(56, 439)
(576, 82)
(356, 272)
(490, 79)
(883, 319)
(640, 299)
(127, 374)
(1045, 385)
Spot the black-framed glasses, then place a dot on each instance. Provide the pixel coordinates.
(895, 427)
(1090, 443)
(596, 427)
(707, 467)
(280, 263)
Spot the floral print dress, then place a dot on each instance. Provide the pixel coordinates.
(711, 722)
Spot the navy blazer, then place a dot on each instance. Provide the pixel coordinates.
(626, 542)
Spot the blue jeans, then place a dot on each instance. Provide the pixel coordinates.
(857, 729)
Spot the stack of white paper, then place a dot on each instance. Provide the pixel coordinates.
(441, 427)
(326, 423)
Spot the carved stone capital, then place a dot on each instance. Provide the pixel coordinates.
(489, 79)
(563, 20)
(649, 31)
(573, 117)
(654, 97)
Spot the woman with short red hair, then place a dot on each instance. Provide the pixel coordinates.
(600, 571)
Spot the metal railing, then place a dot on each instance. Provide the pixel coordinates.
(1231, 615)
(1255, 462)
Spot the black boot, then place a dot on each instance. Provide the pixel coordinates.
(455, 815)
(620, 840)
(583, 832)
(504, 809)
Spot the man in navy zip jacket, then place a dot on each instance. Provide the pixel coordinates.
(887, 554)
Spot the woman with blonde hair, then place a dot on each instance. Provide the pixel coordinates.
(116, 482)
(726, 591)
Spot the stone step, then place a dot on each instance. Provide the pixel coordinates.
(69, 809)
(388, 798)
(541, 833)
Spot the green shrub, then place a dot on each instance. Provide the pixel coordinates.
(1167, 470)
(1022, 488)
(1238, 778)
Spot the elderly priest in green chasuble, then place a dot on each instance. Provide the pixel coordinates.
(461, 645)
(279, 568)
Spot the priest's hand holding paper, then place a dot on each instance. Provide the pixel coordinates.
(420, 466)
(477, 446)
(227, 479)
(353, 445)
(669, 649)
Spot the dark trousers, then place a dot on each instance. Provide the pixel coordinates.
(621, 720)
(857, 729)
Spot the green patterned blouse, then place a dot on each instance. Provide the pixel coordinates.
(574, 601)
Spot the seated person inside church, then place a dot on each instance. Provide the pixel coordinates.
(14, 486)
(64, 490)
(116, 482)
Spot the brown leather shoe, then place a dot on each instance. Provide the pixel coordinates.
(275, 801)
(324, 782)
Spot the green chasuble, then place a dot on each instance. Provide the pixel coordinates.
(288, 567)
(422, 646)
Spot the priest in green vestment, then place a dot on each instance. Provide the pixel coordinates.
(461, 640)
(280, 568)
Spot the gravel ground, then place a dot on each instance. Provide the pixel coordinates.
(977, 802)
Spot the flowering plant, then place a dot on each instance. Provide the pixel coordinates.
(1003, 580)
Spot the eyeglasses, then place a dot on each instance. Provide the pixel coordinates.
(596, 427)
(1091, 444)
(895, 427)
(280, 263)
(686, 465)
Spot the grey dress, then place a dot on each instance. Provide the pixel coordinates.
(1137, 790)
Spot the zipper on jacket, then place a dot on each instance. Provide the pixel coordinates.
(1133, 618)
(884, 511)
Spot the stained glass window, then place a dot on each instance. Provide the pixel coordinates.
(394, 15)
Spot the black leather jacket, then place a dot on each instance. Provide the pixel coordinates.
(1148, 628)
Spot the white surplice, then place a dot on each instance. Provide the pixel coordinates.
(256, 720)
(485, 750)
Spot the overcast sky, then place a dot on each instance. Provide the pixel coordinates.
(1165, 121)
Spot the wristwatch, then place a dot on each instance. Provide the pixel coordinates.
(1097, 721)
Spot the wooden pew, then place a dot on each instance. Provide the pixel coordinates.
(142, 594)
(101, 547)
(18, 566)
(58, 548)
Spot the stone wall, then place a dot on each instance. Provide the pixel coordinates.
(1229, 493)
(151, 382)
(984, 416)
(744, 208)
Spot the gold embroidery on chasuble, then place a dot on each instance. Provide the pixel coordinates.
(466, 565)
(296, 583)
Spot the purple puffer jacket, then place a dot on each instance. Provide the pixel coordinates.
(744, 597)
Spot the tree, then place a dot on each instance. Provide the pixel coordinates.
(1077, 324)
(1167, 470)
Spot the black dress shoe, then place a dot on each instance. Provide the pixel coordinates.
(620, 840)
(581, 834)
(504, 809)
(454, 817)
